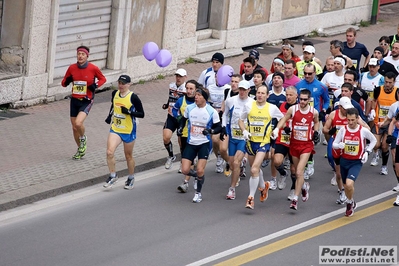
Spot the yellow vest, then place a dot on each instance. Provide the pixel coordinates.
(260, 123)
(122, 123)
(182, 109)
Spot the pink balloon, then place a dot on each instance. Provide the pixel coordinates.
(150, 50)
(163, 58)
(224, 75)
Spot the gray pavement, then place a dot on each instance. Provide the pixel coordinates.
(37, 143)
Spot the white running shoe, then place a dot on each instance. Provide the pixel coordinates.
(305, 191)
(342, 198)
(305, 174)
(219, 169)
(325, 142)
(384, 170)
(396, 202)
(197, 198)
(310, 168)
(219, 160)
(281, 182)
(396, 188)
(287, 163)
(238, 182)
(195, 184)
(374, 160)
(231, 194)
(183, 188)
(334, 180)
(169, 162)
(273, 184)
(291, 195)
(179, 171)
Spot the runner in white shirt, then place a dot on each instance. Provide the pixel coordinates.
(233, 108)
(203, 120)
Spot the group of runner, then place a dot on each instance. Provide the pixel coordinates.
(276, 117)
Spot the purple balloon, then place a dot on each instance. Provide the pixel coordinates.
(163, 58)
(150, 50)
(224, 75)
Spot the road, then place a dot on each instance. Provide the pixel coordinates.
(153, 224)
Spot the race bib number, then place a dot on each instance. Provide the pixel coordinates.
(351, 147)
(331, 96)
(370, 94)
(311, 102)
(119, 121)
(285, 138)
(383, 111)
(196, 129)
(301, 133)
(236, 132)
(79, 88)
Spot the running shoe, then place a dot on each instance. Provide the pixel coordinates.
(183, 188)
(195, 184)
(243, 173)
(396, 202)
(287, 163)
(396, 188)
(77, 155)
(169, 161)
(305, 174)
(281, 182)
(374, 159)
(384, 170)
(219, 160)
(265, 163)
(129, 184)
(231, 194)
(82, 145)
(291, 195)
(305, 191)
(264, 192)
(310, 168)
(219, 169)
(227, 170)
(349, 210)
(294, 204)
(342, 198)
(179, 171)
(333, 181)
(273, 184)
(250, 203)
(197, 197)
(110, 181)
(325, 143)
(238, 182)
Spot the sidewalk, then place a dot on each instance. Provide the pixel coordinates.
(37, 143)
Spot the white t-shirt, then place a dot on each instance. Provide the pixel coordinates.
(216, 95)
(234, 106)
(395, 63)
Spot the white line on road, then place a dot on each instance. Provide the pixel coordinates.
(286, 231)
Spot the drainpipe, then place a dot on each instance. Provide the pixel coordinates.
(374, 12)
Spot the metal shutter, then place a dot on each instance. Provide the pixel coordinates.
(82, 22)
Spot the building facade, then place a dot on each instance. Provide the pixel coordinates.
(38, 38)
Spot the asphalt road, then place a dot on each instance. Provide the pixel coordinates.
(153, 224)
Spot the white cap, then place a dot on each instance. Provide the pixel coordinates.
(345, 102)
(373, 62)
(310, 49)
(244, 84)
(181, 72)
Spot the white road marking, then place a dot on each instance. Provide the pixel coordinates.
(286, 231)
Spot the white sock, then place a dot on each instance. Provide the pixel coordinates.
(253, 185)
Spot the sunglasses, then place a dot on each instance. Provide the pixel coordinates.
(303, 99)
(385, 44)
(308, 73)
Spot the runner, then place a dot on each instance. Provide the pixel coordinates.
(259, 117)
(233, 108)
(304, 135)
(351, 139)
(203, 120)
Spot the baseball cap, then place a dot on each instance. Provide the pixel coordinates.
(124, 79)
(254, 53)
(218, 57)
(181, 72)
(244, 84)
(345, 102)
(309, 49)
(373, 62)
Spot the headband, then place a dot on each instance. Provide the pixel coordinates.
(341, 60)
(279, 60)
(203, 93)
(287, 46)
(83, 50)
